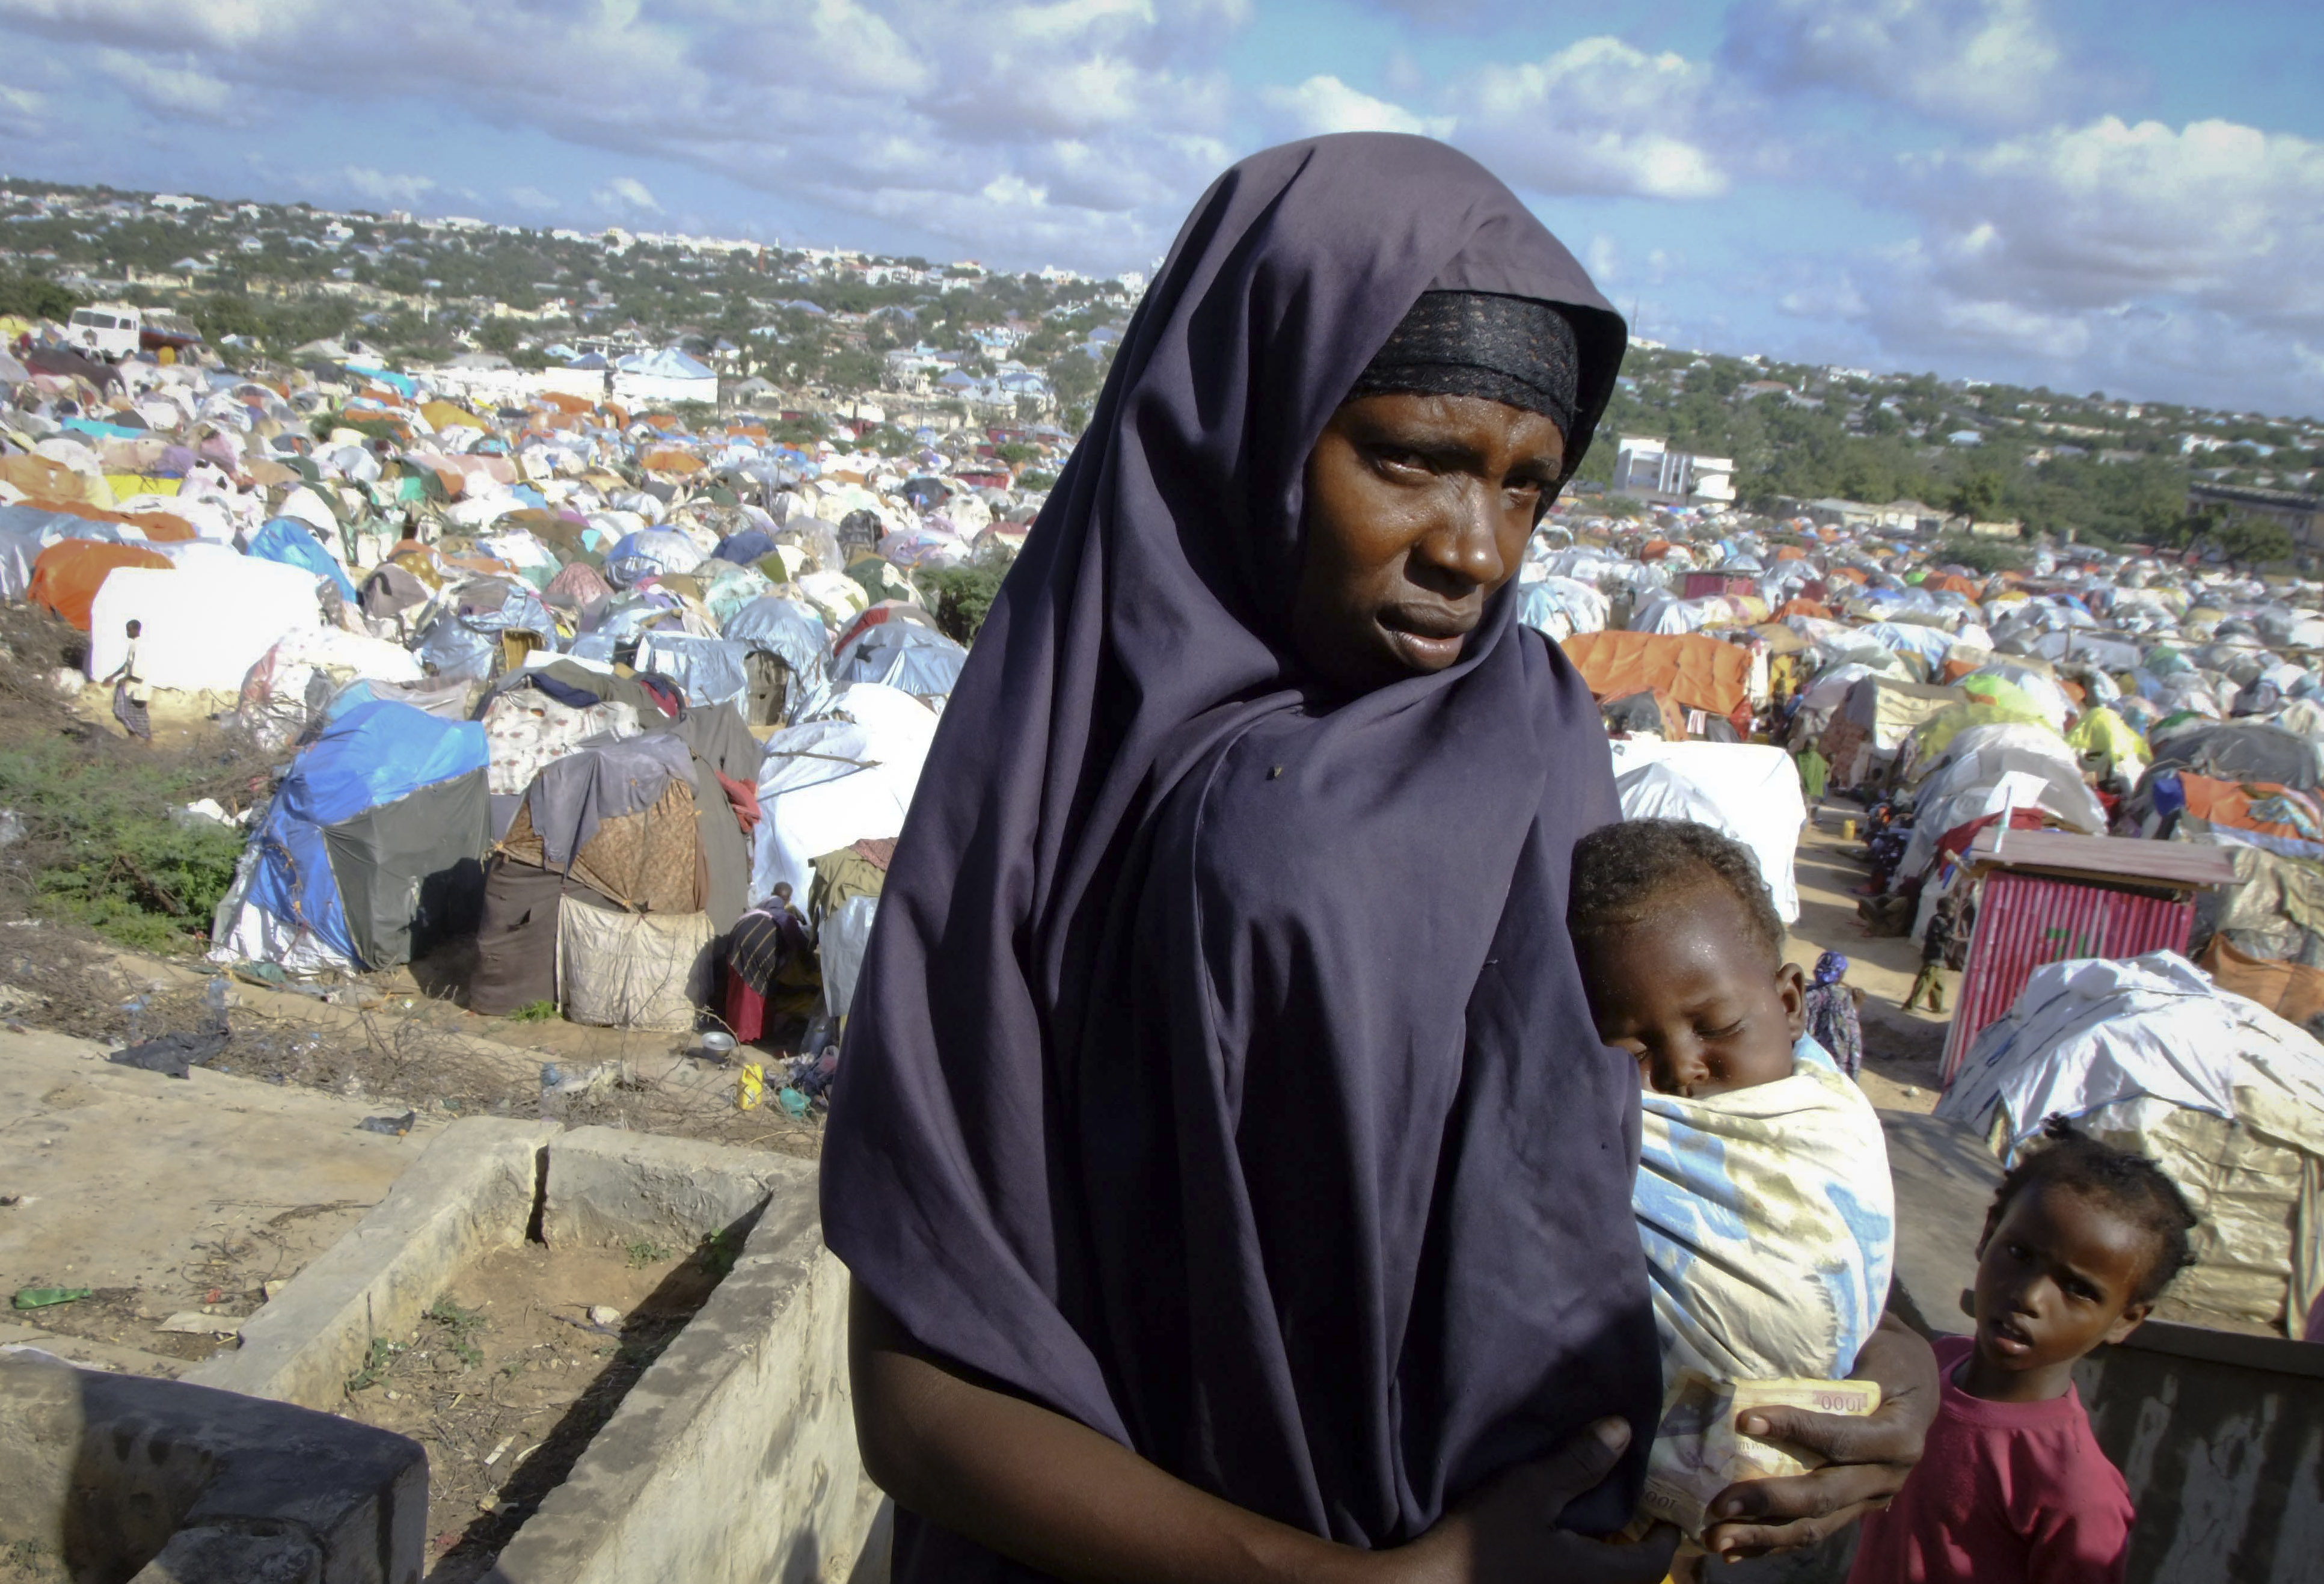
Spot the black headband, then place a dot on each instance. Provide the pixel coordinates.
(1507, 349)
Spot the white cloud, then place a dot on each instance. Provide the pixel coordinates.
(179, 88)
(21, 112)
(1983, 61)
(1323, 104)
(1603, 257)
(626, 192)
(396, 192)
(1599, 117)
(2221, 216)
(531, 198)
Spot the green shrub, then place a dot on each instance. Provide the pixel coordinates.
(960, 597)
(99, 848)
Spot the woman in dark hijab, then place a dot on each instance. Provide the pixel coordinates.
(1232, 1180)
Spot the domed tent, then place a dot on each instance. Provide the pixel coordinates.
(372, 850)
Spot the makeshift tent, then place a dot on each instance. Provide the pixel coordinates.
(206, 622)
(68, 574)
(2225, 1096)
(834, 781)
(289, 541)
(1698, 673)
(1750, 791)
(902, 655)
(372, 850)
(2241, 751)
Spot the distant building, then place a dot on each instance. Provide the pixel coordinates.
(1649, 467)
(2300, 513)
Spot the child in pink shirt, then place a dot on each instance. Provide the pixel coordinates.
(2012, 1487)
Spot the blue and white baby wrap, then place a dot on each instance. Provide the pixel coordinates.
(1769, 1225)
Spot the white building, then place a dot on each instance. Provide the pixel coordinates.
(669, 375)
(1644, 466)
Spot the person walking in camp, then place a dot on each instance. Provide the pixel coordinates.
(1206, 1218)
(1830, 1006)
(1934, 945)
(130, 694)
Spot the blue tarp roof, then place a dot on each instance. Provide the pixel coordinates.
(292, 543)
(374, 754)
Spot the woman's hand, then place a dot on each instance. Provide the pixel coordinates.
(1508, 1530)
(1865, 1460)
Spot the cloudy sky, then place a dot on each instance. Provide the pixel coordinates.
(2124, 195)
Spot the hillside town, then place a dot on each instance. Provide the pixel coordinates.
(464, 686)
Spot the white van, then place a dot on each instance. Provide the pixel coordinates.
(109, 329)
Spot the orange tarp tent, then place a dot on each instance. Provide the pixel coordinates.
(68, 573)
(165, 528)
(2230, 803)
(440, 414)
(1698, 673)
(668, 461)
(1850, 573)
(1790, 553)
(1805, 607)
(564, 402)
(1654, 549)
(1949, 583)
(53, 481)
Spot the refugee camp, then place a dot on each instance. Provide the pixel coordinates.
(1426, 874)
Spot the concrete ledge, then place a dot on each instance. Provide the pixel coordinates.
(167, 1483)
(734, 1458)
(472, 1189)
(608, 1186)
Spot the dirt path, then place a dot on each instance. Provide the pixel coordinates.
(1901, 1048)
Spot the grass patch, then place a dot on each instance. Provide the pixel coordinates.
(719, 1252)
(377, 1364)
(644, 1252)
(456, 1329)
(535, 1012)
(99, 848)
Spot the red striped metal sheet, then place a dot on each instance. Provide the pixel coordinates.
(2024, 921)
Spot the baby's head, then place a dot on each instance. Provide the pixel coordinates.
(2081, 1240)
(1682, 954)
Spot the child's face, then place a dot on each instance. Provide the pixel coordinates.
(1691, 993)
(2057, 1277)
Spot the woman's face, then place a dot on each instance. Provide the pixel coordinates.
(1418, 509)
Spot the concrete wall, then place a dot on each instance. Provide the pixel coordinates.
(473, 1189)
(734, 1460)
(732, 1457)
(112, 1476)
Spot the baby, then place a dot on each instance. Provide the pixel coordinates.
(1762, 1196)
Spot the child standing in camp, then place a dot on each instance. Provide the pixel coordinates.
(130, 692)
(1829, 1009)
(2081, 1240)
(1763, 1196)
(1934, 945)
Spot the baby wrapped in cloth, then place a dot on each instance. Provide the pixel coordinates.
(1769, 1226)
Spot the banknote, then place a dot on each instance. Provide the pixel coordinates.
(1698, 1452)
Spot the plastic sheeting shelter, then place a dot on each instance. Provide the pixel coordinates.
(373, 845)
(204, 622)
(2227, 1098)
(902, 655)
(1697, 673)
(828, 783)
(1749, 791)
(290, 542)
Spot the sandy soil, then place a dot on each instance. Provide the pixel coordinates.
(508, 1378)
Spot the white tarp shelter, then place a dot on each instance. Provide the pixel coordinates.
(1750, 791)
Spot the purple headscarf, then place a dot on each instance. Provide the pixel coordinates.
(1221, 1074)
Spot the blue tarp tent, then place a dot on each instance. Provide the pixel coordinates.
(376, 834)
(919, 660)
(291, 542)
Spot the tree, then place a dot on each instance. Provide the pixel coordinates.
(2248, 541)
(34, 297)
(1977, 497)
(498, 335)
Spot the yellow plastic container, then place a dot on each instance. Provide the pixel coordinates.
(749, 1084)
